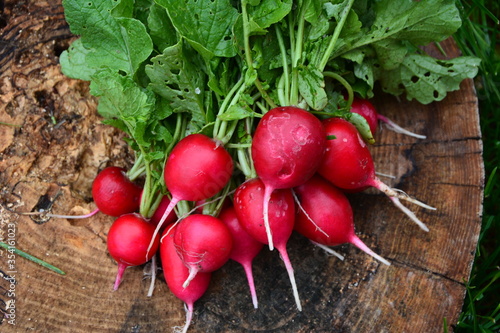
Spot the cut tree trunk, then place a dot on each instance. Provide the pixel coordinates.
(52, 144)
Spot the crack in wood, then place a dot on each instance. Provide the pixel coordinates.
(424, 270)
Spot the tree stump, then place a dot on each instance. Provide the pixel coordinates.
(52, 144)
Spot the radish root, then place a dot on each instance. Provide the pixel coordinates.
(152, 273)
(362, 246)
(267, 197)
(291, 275)
(307, 215)
(396, 195)
(329, 250)
(248, 271)
(398, 129)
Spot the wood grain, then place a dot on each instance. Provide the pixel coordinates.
(60, 145)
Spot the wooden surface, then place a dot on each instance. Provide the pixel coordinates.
(59, 145)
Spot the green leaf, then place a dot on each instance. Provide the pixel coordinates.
(120, 98)
(361, 125)
(420, 22)
(206, 25)
(175, 75)
(391, 52)
(417, 22)
(427, 79)
(268, 12)
(73, 62)
(236, 112)
(312, 87)
(118, 43)
(160, 27)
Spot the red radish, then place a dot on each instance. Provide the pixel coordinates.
(176, 273)
(348, 164)
(287, 148)
(327, 216)
(114, 194)
(158, 214)
(203, 243)
(245, 247)
(197, 168)
(248, 202)
(366, 109)
(128, 240)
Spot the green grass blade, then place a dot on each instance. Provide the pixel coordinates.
(32, 258)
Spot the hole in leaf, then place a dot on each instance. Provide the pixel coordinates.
(414, 79)
(173, 86)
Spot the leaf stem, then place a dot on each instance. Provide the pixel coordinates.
(228, 101)
(336, 34)
(297, 53)
(286, 79)
(248, 53)
(347, 86)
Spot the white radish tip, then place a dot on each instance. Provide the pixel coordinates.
(409, 213)
(291, 275)
(329, 250)
(356, 241)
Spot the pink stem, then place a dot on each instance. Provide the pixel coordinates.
(170, 207)
(362, 246)
(286, 260)
(74, 216)
(119, 275)
(247, 266)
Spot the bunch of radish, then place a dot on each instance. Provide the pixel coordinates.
(301, 167)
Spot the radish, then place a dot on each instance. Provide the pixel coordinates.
(327, 216)
(204, 244)
(245, 247)
(114, 194)
(158, 214)
(128, 240)
(176, 273)
(197, 168)
(248, 202)
(287, 148)
(366, 109)
(348, 164)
